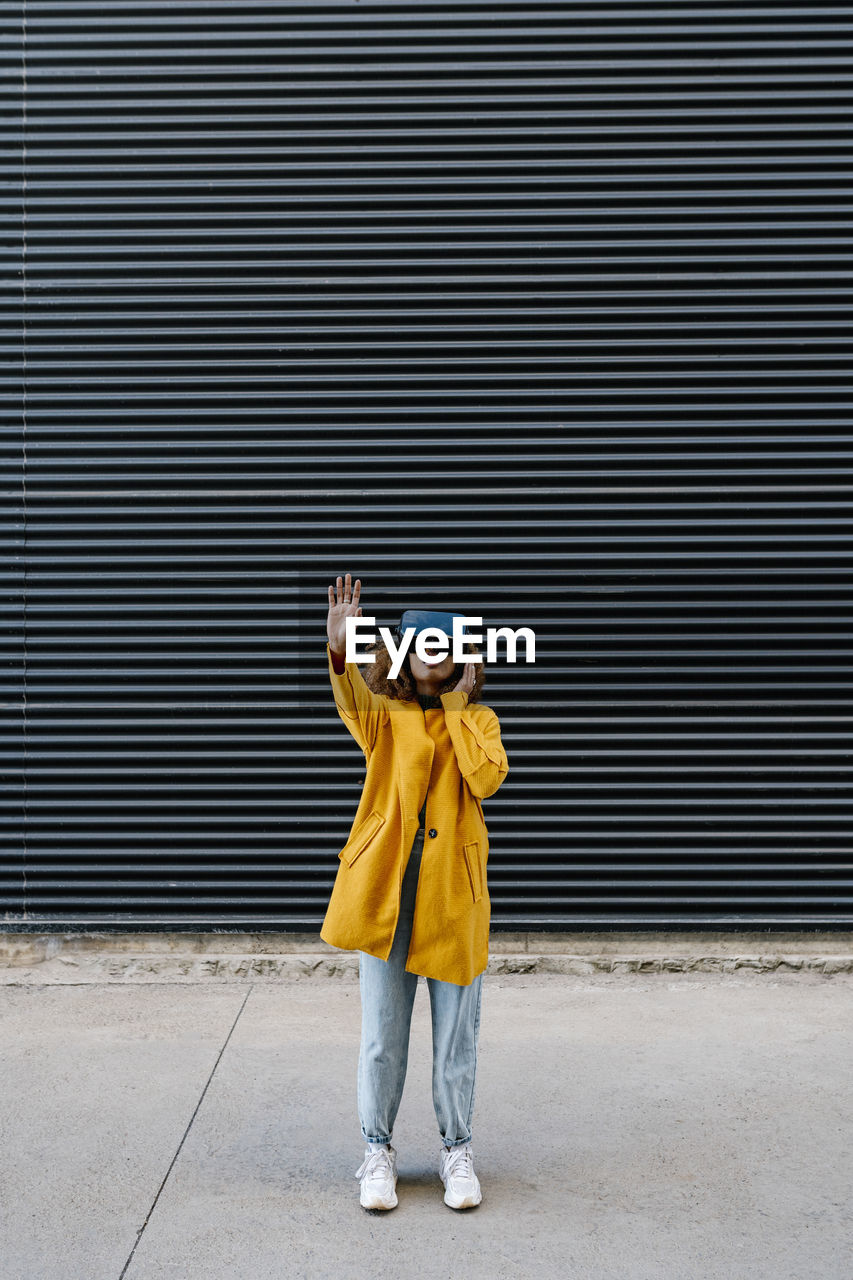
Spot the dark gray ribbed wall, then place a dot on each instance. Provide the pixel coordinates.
(536, 312)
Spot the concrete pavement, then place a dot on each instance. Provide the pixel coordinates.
(647, 1127)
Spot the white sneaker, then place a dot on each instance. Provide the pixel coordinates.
(456, 1167)
(378, 1173)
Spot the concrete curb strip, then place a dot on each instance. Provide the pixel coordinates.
(222, 957)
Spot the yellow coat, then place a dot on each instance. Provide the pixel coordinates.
(457, 753)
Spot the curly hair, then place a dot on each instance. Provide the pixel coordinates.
(403, 687)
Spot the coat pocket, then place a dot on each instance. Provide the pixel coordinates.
(475, 869)
(361, 837)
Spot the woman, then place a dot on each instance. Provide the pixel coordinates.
(410, 894)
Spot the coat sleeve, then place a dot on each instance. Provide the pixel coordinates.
(361, 710)
(477, 742)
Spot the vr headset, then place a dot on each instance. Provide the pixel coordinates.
(420, 619)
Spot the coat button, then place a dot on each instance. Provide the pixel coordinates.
(433, 831)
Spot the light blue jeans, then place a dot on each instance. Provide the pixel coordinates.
(387, 997)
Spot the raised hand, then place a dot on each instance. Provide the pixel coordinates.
(345, 606)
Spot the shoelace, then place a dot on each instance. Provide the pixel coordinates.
(459, 1163)
(371, 1165)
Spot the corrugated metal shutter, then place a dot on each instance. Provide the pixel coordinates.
(536, 312)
